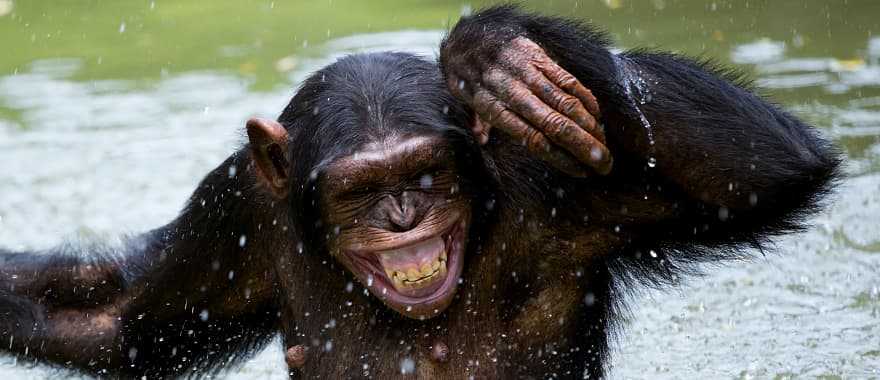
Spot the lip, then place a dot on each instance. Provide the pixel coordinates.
(437, 296)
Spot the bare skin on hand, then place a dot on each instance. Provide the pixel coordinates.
(534, 100)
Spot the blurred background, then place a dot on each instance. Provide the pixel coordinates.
(112, 111)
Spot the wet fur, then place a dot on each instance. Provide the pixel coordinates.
(578, 247)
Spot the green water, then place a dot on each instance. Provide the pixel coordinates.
(111, 111)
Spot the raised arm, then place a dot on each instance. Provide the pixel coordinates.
(725, 165)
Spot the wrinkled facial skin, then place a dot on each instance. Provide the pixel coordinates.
(399, 220)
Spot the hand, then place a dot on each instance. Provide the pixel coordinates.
(528, 96)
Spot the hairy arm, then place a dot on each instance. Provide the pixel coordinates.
(187, 298)
(725, 166)
(59, 306)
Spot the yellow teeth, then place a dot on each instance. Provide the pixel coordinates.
(412, 274)
(416, 278)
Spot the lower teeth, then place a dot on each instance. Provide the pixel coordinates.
(402, 282)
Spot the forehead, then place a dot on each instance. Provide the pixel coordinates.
(389, 157)
(393, 151)
(391, 148)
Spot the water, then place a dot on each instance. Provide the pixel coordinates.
(635, 87)
(111, 112)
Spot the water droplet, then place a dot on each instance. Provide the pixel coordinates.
(590, 299)
(204, 315)
(652, 162)
(242, 240)
(723, 213)
(596, 154)
(122, 27)
(426, 181)
(407, 366)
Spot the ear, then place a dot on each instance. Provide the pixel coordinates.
(268, 145)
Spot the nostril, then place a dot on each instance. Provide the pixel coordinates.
(403, 219)
(403, 213)
(397, 226)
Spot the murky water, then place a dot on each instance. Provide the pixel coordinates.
(110, 113)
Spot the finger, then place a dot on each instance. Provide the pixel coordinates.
(570, 84)
(558, 75)
(563, 102)
(481, 130)
(555, 126)
(477, 126)
(489, 107)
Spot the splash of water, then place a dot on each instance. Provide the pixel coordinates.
(635, 87)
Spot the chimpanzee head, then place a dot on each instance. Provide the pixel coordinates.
(381, 175)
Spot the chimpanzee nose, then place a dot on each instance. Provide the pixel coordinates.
(404, 213)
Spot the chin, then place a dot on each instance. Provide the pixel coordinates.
(418, 278)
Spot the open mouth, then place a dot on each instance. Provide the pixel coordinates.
(417, 279)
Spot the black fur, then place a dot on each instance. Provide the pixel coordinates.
(734, 168)
(189, 297)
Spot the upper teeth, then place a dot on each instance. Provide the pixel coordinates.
(413, 275)
(405, 272)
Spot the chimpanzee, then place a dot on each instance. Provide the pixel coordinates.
(385, 230)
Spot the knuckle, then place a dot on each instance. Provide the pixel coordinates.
(494, 75)
(506, 117)
(552, 121)
(567, 80)
(498, 110)
(558, 130)
(535, 142)
(589, 94)
(521, 93)
(568, 104)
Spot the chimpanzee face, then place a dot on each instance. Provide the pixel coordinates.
(400, 219)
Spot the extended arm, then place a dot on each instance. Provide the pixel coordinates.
(54, 306)
(729, 166)
(188, 297)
